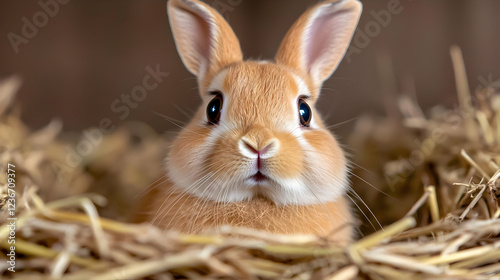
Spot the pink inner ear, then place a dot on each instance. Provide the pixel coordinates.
(194, 41)
(323, 41)
(201, 35)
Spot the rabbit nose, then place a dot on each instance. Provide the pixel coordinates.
(252, 150)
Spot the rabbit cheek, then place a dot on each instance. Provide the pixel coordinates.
(223, 158)
(289, 162)
(184, 165)
(329, 157)
(326, 146)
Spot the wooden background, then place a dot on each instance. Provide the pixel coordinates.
(91, 52)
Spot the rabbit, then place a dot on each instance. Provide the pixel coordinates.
(257, 154)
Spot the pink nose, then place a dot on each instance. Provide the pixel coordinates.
(253, 149)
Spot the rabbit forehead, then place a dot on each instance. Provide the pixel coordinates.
(258, 78)
(260, 91)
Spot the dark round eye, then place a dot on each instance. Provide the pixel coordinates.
(213, 109)
(305, 113)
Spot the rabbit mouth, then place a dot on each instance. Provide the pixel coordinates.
(259, 177)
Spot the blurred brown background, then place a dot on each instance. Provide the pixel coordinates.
(88, 53)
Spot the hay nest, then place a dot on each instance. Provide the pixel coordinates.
(445, 165)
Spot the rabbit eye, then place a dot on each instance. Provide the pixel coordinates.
(305, 113)
(213, 109)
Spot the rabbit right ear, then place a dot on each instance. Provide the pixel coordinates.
(204, 40)
(318, 40)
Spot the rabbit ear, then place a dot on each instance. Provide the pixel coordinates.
(204, 40)
(318, 40)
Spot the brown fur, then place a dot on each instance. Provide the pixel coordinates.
(171, 210)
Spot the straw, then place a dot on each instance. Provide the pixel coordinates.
(437, 180)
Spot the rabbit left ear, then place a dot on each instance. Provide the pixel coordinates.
(319, 39)
(204, 40)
